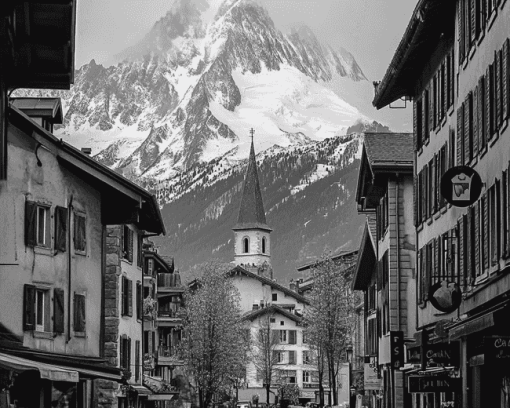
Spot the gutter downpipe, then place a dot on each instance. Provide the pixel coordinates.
(397, 224)
(69, 262)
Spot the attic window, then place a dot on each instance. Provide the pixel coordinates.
(282, 323)
(275, 297)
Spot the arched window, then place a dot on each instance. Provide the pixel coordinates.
(246, 245)
(263, 245)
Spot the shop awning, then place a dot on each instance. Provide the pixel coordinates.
(47, 371)
(93, 374)
(475, 324)
(161, 397)
(141, 390)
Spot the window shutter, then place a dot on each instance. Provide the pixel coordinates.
(79, 313)
(30, 223)
(467, 26)
(426, 192)
(58, 310)
(481, 113)
(477, 238)
(474, 118)
(452, 77)
(128, 355)
(28, 307)
(444, 93)
(424, 116)
(485, 231)
(504, 75)
(460, 135)
(124, 296)
(292, 336)
(130, 245)
(497, 89)
(488, 111)
(460, 24)
(415, 125)
(497, 217)
(433, 166)
(139, 252)
(137, 360)
(472, 7)
(60, 228)
(436, 260)
(122, 352)
(276, 335)
(428, 269)
(431, 107)
(507, 211)
(292, 357)
(130, 297)
(466, 131)
(138, 300)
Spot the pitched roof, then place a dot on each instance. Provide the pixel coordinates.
(432, 23)
(251, 210)
(269, 282)
(273, 309)
(366, 260)
(336, 257)
(389, 148)
(372, 227)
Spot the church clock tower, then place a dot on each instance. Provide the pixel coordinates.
(252, 234)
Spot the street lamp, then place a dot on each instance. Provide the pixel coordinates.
(349, 354)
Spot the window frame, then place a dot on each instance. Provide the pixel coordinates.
(47, 226)
(45, 314)
(245, 243)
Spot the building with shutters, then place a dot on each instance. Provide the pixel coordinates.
(385, 185)
(453, 63)
(57, 265)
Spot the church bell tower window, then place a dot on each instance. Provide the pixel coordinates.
(263, 245)
(246, 245)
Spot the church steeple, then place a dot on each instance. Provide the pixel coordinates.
(252, 243)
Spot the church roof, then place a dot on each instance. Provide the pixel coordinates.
(251, 210)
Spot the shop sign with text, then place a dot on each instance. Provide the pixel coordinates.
(497, 348)
(433, 384)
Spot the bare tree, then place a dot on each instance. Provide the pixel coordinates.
(265, 352)
(330, 319)
(214, 345)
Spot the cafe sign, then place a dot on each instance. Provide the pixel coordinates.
(461, 186)
(497, 348)
(433, 384)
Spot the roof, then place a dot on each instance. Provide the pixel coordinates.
(340, 255)
(389, 148)
(273, 309)
(251, 210)
(372, 227)
(41, 107)
(269, 282)
(167, 262)
(432, 21)
(104, 179)
(43, 43)
(383, 153)
(366, 260)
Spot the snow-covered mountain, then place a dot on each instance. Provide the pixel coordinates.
(204, 75)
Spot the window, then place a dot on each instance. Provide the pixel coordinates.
(263, 245)
(42, 318)
(292, 357)
(306, 357)
(306, 376)
(125, 354)
(282, 323)
(278, 356)
(139, 301)
(137, 360)
(80, 234)
(246, 245)
(272, 320)
(58, 310)
(305, 337)
(371, 298)
(79, 312)
(292, 337)
(61, 216)
(274, 297)
(127, 243)
(36, 309)
(127, 297)
(37, 224)
(283, 336)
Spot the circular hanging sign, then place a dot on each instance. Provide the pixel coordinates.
(461, 186)
(445, 296)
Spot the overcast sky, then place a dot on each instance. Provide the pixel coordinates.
(370, 29)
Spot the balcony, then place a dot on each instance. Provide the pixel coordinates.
(167, 355)
(168, 317)
(169, 283)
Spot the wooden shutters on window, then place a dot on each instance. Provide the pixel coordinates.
(505, 94)
(461, 30)
(139, 252)
(137, 360)
(58, 311)
(292, 337)
(489, 94)
(61, 216)
(460, 135)
(474, 119)
(30, 223)
(130, 297)
(292, 357)
(485, 217)
(28, 307)
(461, 241)
(139, 301)
(127, 297)
(476, 244)
(79, 312)
(467, 130)
(482, 133)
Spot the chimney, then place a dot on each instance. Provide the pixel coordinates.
(292, 285)
(86, 150)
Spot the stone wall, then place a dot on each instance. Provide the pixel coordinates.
(106, 391)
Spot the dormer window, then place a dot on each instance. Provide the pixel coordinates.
(246, 245)
(263, 245)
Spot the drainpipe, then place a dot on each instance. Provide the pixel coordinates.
(69, 263)
(397, 224)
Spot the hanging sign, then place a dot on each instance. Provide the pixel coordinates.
(397, 348)
(445, 296)
(461, 186)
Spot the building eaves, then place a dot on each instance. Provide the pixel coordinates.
(272, 309)
(429, 22)
(270, 283)
(336, 257)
